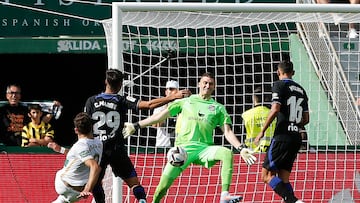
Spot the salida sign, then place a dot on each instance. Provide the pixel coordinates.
(79, 45)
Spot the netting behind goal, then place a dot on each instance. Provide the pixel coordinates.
(242, 44)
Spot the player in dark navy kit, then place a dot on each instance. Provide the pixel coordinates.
(290, 107)
(109, 111)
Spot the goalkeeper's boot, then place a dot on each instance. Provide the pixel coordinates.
(230, 199)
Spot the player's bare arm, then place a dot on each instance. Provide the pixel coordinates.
(155, 118)
(160, 124)
(93, 177)
(57, 148)
(230, 136)
(131, 128)
(163, 100)
(246, 154)
(305, 118)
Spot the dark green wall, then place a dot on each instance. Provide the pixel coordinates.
(32, 18)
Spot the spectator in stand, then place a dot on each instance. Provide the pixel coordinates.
(13, 116)
(36, 132)
(352, 33)
(166, 129)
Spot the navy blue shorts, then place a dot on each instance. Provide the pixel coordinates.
(117, 157)
(281, 154)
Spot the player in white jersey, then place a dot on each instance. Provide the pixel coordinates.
(81, 169)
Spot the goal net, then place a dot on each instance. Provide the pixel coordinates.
(242, 44)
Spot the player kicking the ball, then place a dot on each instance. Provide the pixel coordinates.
(198, 116)
(81, 170)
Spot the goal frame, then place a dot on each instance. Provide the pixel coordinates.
(119, 7)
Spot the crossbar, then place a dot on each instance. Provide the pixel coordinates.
(238, 7)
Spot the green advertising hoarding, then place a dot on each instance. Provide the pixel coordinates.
(98, 45)
(34, 18)
(63, 26)
(53, 45)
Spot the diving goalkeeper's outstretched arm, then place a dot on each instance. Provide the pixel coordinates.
(230, 136)
(155, 118)
(246, 154)
(130, 128)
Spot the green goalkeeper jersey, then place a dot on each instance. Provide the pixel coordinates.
(197, 119)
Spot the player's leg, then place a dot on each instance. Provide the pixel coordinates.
(66, 194)
(277, 168)
(284, 176)
(59, 188)
(68, 197)
(209, 157)
(123, 167)
(170, 173)
(225, 155)
(288, 161)
(279, 187)
(168, 176)
(98, 191)
(136, 187)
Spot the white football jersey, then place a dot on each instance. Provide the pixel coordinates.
(75, 172)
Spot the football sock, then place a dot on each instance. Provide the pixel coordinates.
(99, 194)
(162, 188)
(139, 192)
(289, 187)
(282, 189)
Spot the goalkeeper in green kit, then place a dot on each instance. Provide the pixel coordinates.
(198, 116)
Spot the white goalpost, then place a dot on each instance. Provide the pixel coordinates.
(241, 44)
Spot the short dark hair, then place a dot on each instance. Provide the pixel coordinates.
(114, 78)
(258, 94)
(34, 107)
(208, 74)
(83, 123)
(287, 66)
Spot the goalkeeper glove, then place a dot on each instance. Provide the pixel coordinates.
(247, 155)
(129, 129)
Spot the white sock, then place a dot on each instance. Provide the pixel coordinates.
(224, 193)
